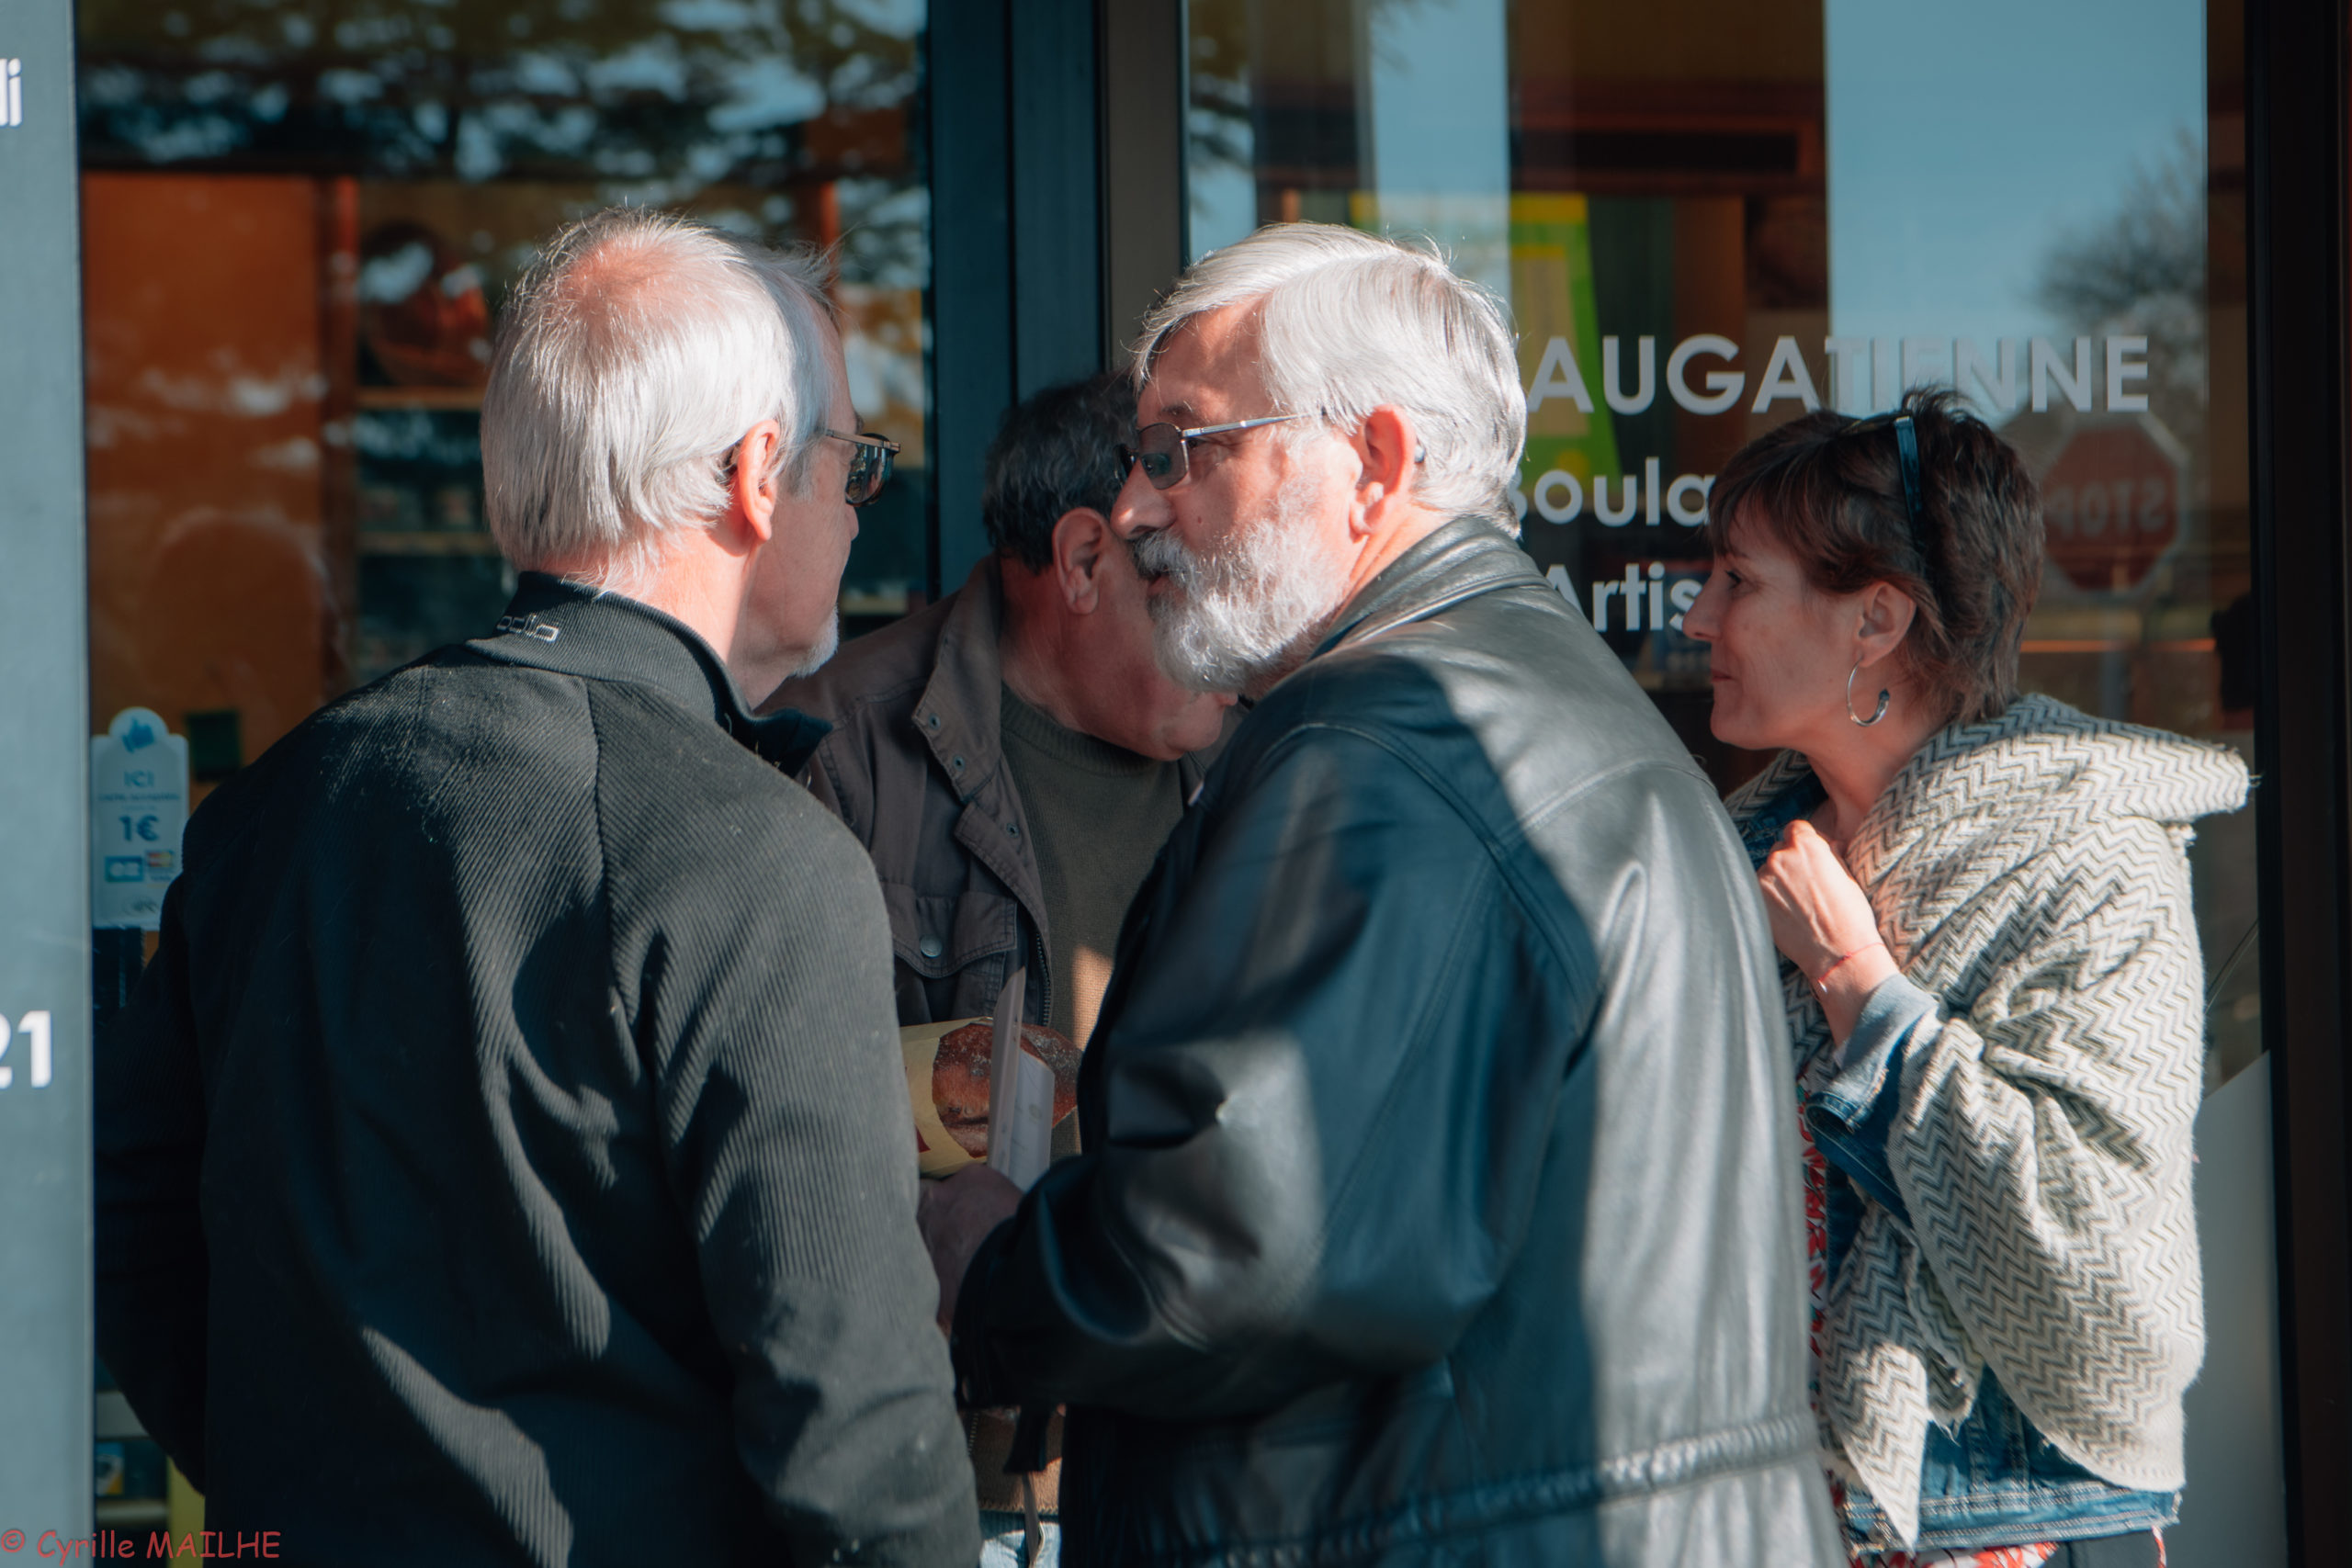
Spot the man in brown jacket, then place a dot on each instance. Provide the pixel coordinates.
(1012, 756)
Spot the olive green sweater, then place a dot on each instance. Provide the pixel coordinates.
(1098, 814)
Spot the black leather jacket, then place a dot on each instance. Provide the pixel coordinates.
(1441, 1199)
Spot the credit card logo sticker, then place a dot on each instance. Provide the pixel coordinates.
(138, 812)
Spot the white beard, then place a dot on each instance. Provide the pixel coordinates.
(1245, 615)
(827, 643)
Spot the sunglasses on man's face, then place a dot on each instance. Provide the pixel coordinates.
(1163, 451)
(869, 465)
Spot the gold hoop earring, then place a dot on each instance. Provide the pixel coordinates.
(1884, 698)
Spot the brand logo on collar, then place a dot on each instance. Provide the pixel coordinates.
(529, 625)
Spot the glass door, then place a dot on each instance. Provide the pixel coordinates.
(1709, 219)
(299, 220)
(1712, 216)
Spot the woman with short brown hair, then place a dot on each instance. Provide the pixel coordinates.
(1992, 980)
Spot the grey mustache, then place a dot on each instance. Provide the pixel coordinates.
(1157, 555)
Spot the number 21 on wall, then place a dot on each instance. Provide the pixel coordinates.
(34, 1028)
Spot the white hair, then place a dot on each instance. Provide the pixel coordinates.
(1349, 322)
(631, 361)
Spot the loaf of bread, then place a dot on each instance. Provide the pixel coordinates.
(947, 1084)
(959, 1078)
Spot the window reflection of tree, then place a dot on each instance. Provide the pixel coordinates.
(1277, 90)
(438, 142)
(1217, 124)
(657, 102)
(2138, 270)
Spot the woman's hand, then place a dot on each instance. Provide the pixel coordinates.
(1823, 924)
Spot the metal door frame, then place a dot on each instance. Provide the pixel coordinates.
(45, 1232)
(2296, 169)
(1056, 163)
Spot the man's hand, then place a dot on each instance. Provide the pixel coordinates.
(956, 1216)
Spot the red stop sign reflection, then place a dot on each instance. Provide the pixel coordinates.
(2112, 504)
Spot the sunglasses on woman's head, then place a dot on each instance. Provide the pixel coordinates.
(1907, 454)
(1914, 499)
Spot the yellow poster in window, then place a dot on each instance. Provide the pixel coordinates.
(1559, 339)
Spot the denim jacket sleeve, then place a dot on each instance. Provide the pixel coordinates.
(1852, 1115)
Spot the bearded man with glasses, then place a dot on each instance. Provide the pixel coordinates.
(1013, 758)
(1435, 1201)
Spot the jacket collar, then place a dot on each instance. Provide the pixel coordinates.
(554, 625)
(1458, 560)
(959, 713)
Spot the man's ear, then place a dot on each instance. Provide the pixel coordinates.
(1887, 616)
(754, 484)
(1081, 537)
(1389, 450)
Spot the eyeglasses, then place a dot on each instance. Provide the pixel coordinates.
(869, 466)
(1165, 451)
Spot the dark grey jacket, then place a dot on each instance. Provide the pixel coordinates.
(504, 1160)
(915, 766)
(1441, 1199)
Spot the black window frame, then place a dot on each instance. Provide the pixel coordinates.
(1058, 199)
(2296, 169)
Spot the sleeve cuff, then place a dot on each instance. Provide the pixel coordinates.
(1852, 1116)
(1894, 1009)
(976, 1388)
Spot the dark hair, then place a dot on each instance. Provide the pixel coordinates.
(1830, 489)
(1057, 451)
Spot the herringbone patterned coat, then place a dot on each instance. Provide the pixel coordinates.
(2029, 873)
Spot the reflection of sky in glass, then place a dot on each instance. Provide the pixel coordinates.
(1220, 161)
(1437, 128)
(1223, 194)
(1434, 147)
(1965, 142)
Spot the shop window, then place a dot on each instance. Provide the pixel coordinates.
(1709, 216)
(300, 217)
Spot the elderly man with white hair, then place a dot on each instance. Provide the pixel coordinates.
(504, 1160)
(1438, 1201)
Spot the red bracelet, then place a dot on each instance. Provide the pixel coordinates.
(1822, 978)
